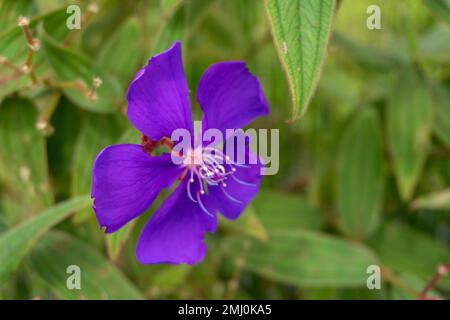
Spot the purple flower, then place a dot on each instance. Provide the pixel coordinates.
(127, 178)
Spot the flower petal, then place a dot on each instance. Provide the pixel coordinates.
(240, 189)
(230, 96)
(175, 233)
(158, 97)
(242, 186)
(126, 180)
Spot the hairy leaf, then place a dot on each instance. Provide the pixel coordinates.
(301, 30)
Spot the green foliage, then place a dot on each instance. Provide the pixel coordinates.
(322, 261)
(409, 122)
(69, 66)
(360, 176)
(16, 241)
(364, 172)
(23, 161)
(301, 30)
(438, 200)
(101, 280)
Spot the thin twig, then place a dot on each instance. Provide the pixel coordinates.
(441, 271)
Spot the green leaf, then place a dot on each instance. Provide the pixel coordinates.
(69, 66)
(168, 6)
(301, 30)
(16, 241)
(306, 258)
(440, 8)
(23, 160)
(120, 55)
(438, 200)
(278, 211)
(171, 277)
(404, 249)
(99, 279)
(409, 121)
(369, 57)
(360, 176)
(10, 10)
(172, 31)
(248, 223)
(66, 120)
(441, 99)
(115, 242)
(435, 44)
(98, 132)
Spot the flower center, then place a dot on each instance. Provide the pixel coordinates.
(210, 167)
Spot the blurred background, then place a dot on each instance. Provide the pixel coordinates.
(364, 174)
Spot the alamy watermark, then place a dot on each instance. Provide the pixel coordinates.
(236, 147)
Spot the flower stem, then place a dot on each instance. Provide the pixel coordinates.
(33, 46)
(441, 271)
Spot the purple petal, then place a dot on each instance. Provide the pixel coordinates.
(126, 180)
(240, 189)
(175, 233)
(242, 186)
(158, 97)
(230, 96)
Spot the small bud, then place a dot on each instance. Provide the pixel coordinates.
(23, 21)
(442, 270)
(45, 127)
(25, 69)
(35, 45)
(97, 82)
(93, 8)
(93, 97)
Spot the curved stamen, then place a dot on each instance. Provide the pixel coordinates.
(191, 180)
(202, 206)
(243, 182)
(212, 168)
(230, 196)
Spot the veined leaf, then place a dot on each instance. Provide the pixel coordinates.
(23, 161)
(409, 120)
(439, 200)
(248, 223)
(10, 10)
(116, 241)
(370, 57)
(301, 30)
(441, 103)
(404, 249)
(168, 6)
(69, 66)
(440, 8)
(173, 30)
(121, 55)
(170, 277)
(307, 258)
(16, 241)
(99, 279)
(435, 44)
(278, 211)
(360, 176)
